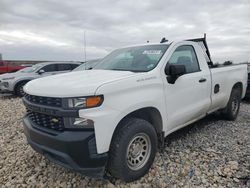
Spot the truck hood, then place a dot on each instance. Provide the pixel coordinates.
(74, 84)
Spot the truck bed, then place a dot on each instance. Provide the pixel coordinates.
(234, 73)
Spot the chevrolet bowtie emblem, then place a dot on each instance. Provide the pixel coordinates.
(54, 120)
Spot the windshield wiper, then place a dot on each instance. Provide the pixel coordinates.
(128, 70)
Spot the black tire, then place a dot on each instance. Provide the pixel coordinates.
(132, 132)
(233, 105)
(19, 89)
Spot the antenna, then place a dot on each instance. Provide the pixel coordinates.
(84, 41)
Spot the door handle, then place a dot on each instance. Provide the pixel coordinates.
(202, 80)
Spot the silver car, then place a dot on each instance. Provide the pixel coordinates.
(90, 64)
(14, 82)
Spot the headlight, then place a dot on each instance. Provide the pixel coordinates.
(77, 103)
(85, 102)
(5, 84)
(10, 78)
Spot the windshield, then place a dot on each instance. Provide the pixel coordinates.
(136, 59)
(31, 69)
(88, 65)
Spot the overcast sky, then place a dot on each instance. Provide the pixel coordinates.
(53, 29)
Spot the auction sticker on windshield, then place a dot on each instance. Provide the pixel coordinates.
(152, 52)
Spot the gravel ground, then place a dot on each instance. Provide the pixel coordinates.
(209, 153)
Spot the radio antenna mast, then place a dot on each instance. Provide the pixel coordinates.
(84, 40)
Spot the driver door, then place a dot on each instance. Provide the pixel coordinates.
(189, 97)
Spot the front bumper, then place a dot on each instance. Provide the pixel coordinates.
(4, 88)
(72, 149)
(6, 92)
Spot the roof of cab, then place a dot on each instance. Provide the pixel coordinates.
(164, 43)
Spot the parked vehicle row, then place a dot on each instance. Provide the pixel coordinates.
(14, 82)
(112, 118)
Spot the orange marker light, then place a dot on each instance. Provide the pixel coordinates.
(93, 101)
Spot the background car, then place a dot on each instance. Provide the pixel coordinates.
(14, 82)
(87, 65)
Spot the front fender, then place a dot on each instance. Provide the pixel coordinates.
(106, 120)
(120, 99)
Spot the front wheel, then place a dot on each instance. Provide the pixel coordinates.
(132, 150)
(232, 109)
(19, 89)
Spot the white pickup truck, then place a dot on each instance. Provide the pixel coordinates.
(113, 118)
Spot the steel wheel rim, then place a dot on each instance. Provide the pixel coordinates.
(235, 106)
(138, 151)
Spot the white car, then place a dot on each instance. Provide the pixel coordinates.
(114, 117)
(14, 82)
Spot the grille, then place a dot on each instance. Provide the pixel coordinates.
(49, 101)
(46, 121)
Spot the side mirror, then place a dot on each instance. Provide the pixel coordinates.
(174, 71)
(41, 71)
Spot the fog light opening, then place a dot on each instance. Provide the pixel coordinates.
(83, 123)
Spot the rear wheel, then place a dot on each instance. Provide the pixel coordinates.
(233, 106)
(19, 89)
(132, 150)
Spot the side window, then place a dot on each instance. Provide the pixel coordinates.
(63, 67)
(49, 68)
(185, 55)
(73, 66)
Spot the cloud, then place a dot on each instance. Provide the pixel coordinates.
(53, 29)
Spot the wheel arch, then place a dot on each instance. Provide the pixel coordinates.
(19, 82)
(238, 86)
(149, 114)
